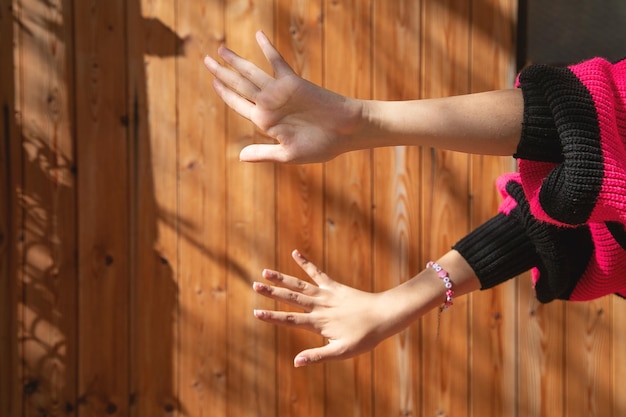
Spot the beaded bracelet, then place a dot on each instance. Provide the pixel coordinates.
(443, 274)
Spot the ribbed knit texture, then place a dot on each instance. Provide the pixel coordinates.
(563, 214)
(606, 270)
(515, 252)
(576, 122)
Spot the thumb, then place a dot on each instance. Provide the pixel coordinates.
(318, 355)
(262, 153)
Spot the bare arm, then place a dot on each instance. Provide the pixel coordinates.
(486, 123)
(355, 321)
(312, 124)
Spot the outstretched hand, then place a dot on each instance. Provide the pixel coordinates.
(352, 321)
(308, 122)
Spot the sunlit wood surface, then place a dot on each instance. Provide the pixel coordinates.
(130, 233)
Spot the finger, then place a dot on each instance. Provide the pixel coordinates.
(289, 282)
(285, 318)
(284, 295)
(313, 271)
(278, 63)
(263, 153)
(233, 100)
(246, 68)
(319, 355)
(232, 79)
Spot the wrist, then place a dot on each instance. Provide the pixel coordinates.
(395, 312)
(407, 302)
(355, 132)
(426, 291)
(372, 127)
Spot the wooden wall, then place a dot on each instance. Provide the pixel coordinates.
(130, 233)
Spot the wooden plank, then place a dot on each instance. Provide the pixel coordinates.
(493, 313)
(251, 246)
(588, 371)
(445, 208)
(10, 214)
(153, 46)
(618, 346)
(48, 198)
(203, 345)
(347, 187)
(396, 198)
(540, 358)
(103, 207)
(299, 212)
(176, 234)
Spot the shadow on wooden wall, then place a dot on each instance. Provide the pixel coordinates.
(78, 203)
(130, 233)
(100, 235)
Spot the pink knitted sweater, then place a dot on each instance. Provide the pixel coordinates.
(563, 214)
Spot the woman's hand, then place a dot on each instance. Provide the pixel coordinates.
(352, 321)
(356, 321)
(310, 123)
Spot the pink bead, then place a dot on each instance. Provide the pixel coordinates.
(443, 275)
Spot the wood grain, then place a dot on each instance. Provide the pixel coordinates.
(540, 335)
(445, 64)
(153, 178)
(493, 314)
(396, 202)
(251, 247)
(300, 210)
(347, 188)
(10, 214)
(588, 373)
(47, 198)
(130, 233)
(201, 215)
(618, 365)
(103, 208)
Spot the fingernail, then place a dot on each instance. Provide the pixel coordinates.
(209, 62)
(300, 361)
(224, 52)
(258, 314)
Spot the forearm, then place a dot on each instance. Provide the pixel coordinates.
(483, 123)
(424, 292)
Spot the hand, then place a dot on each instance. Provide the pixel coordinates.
(309, 123)
(351, 320)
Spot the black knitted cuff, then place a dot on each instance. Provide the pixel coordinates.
(540, 139)
(498, 250)
(561, 126)
(556, 106)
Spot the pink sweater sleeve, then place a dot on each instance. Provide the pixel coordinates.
(563, 214)
(572, 154)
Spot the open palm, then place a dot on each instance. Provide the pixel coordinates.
(352, 321)
(309, 123)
